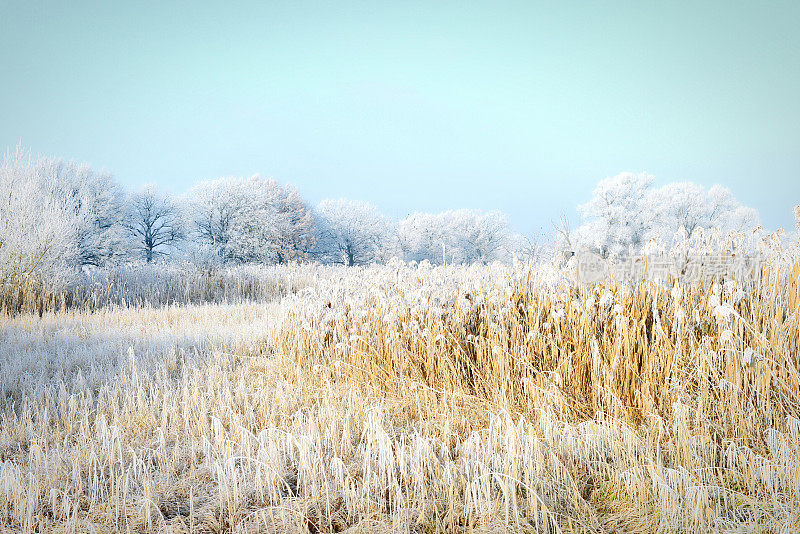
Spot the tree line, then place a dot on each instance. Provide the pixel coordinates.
(628, 214)
(59, 216)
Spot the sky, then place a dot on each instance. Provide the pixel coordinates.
(414, 106)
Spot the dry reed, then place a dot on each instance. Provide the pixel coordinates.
(398, 399)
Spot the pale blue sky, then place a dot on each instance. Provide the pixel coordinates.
(521, 107)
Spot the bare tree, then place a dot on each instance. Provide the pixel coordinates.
(562, 229)
(154, 222)
(530, 249)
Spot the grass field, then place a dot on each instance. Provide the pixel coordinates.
(409, 399)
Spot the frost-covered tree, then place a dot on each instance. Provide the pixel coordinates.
(351, 232)
(154, 222)
(295, 234)
(480, 237)
(625, 212)
(216, 206)
(689, 206)
(456, 236)
(39, 226)
(98, 203)
(252, 220)
(57, 216)
(422, 236)
(618, 214)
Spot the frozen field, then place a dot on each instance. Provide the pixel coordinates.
(400, 399)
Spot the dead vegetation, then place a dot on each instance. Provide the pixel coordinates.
(397, 399)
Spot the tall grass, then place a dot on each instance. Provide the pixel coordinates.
(400, 399)
(699, 384)
(151, 285)
(628, 351)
